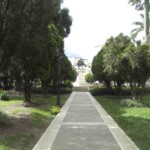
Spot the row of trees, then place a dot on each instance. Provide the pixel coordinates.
(122, 61)
(32, 36)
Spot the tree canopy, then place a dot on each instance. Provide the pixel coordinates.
(31, 33)
(121, 61)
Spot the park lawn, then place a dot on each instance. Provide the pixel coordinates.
(23, 125)
(134, 121)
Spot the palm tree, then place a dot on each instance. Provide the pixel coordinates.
(140, 27)
(143, 5)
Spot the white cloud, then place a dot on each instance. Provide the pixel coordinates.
(94, 21)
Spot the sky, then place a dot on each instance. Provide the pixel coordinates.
(94, 21)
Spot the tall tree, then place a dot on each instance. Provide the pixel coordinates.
(112, 57)
(49, 61)
(137, 63)
(10, 30)
(30, 37)
(140, 5)
(69, 72)
(98, 69)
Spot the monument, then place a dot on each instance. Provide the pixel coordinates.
(81, 64)
(82, 67)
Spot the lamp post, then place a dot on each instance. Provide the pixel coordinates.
(90, 76)
(59, 57)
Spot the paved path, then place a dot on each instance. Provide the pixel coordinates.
(83, 124)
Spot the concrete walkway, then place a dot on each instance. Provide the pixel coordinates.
(83, 124)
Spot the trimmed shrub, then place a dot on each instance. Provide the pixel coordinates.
(102, 91)
(66, 90)
(105, 91)
(125, 91)
(62, 90)
(130, 103)
(89, 78)
(67, 84)
(146, 103)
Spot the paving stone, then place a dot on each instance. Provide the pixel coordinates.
(83, 114)
(85, 138)
(83, 124)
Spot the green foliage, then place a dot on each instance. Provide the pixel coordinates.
(66, 90)
(68, 83)
(4, 96)
(95, 91)
(69, 73)
(98, 67)
(64, 22)
(115, 46)
(30, 34)
(55, 110)
(121, 61)
(138, 59)
(130, 103)
(63, 90)
(89, 78)
(112, 91)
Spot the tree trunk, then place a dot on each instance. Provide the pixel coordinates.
(44, 87)
(18, 85)
(146, 19)
(119, 87)
(108, 84)
(115, 85)
(54, 85)
(27, 90)
(133, 91)
(143, 91)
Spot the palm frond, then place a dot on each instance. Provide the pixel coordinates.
(136, 30)
(137, 23)
(142, 16)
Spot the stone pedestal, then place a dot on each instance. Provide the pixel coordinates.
(80, 84)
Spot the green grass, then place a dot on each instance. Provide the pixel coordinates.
(4, 120)
(38, 114)
(18, 110)
(134, 121)
(12, 101)
(18, 140)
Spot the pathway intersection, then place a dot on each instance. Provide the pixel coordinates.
(83, 124)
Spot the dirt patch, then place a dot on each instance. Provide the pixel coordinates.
(16, 126)
(21, 123)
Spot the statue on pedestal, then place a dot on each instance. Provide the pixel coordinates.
(81, 63)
